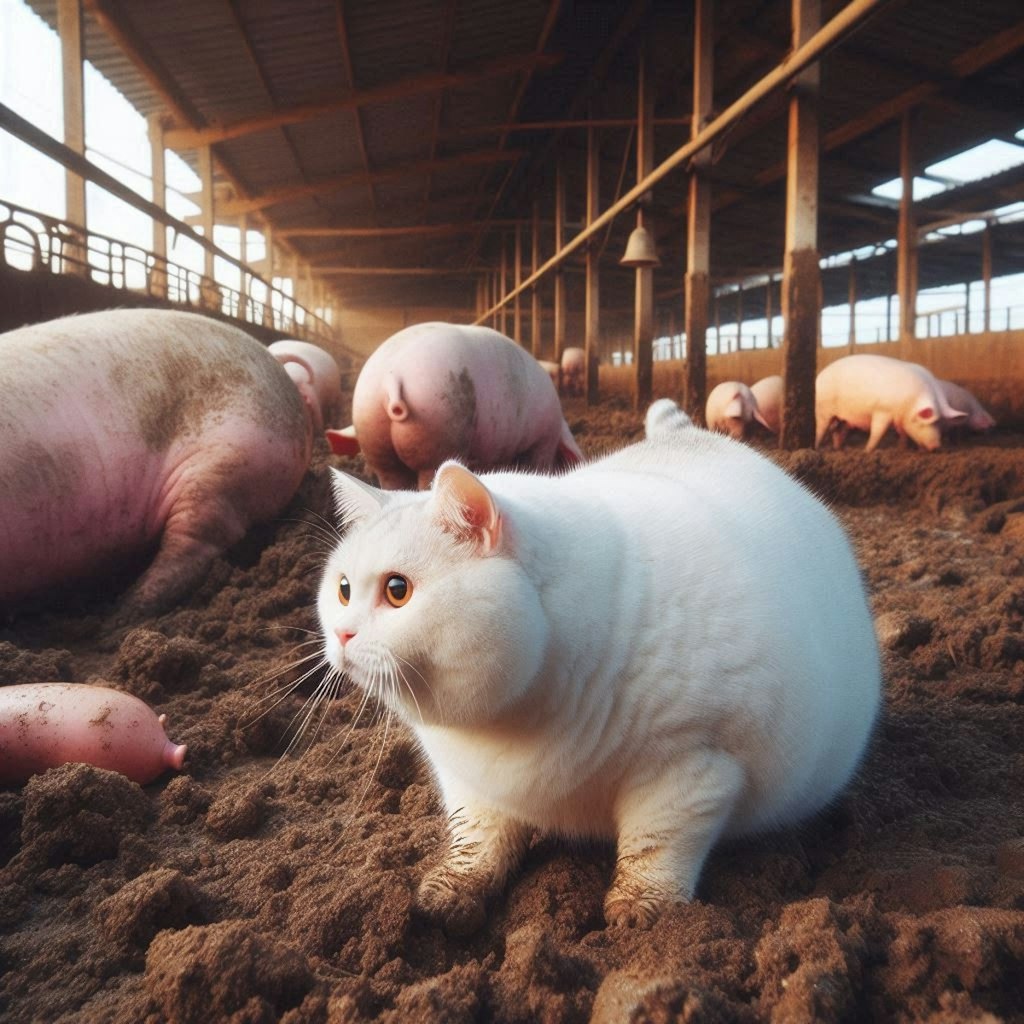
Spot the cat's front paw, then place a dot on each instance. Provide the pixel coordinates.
(630, 912)
(452, 902)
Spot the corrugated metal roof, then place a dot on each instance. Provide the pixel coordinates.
(243, 59)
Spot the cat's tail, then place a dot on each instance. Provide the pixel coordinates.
(568, 453)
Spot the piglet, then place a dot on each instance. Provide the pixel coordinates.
(45, 725)
(315, 373)
(554, 371)
(574, 366)
(730, 408)
(873, 393)
(437, 391)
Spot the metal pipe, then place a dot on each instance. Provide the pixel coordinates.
(845, 22)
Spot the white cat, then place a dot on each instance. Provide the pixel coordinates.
(665, 646)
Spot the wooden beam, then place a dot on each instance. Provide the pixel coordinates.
(592, 294)
(906, 240)
(158, 163)
(346, 60)
(801, 276)
(354, 178)
(560, 310)
(842, 24)
(643, 320)
(342, 271)
(503, 286)
(443, 56)
(698, 220)
(206, 204)
(535, 317)
(517, 309)
(402, 89)
(69, 26)
(394, 231)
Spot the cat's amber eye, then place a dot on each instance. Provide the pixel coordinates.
(398, 590)
(344, 590)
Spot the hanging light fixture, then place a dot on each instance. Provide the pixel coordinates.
(640, 251)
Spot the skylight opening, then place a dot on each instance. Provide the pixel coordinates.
(923, 188)
(992, 157)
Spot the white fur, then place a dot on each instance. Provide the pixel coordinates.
(664, 646)
(664, 415)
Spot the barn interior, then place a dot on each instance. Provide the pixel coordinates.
(480, 162)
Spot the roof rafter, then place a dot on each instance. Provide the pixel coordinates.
(398, 90)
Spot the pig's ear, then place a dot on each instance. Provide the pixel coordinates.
(465, 507)
(355, 500)
(926, 412)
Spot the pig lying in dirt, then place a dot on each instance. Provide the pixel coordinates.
(316, 375)
(132, 430)
(437, 391)
(873, 393)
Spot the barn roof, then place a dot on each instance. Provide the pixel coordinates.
(444, 119)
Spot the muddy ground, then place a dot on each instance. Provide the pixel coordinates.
(250, 888)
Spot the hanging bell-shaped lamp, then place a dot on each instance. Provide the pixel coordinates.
(640, 251)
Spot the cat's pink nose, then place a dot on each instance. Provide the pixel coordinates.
(344, 635)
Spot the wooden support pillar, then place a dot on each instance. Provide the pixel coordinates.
(592, 300)
(206, 204)
(157, 278)
(698, 219)
(768, 314)
(986, 275)
(535, 325)
(906, 241)
(517, 308)
(801, 275)
(643, 319)
(560, 311)
(243, 255)
(268, 308)
(69, 26)
(851, 298)
(503, 287)
(739, 317)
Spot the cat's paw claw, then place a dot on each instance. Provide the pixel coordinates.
(630, 913)
(459, 912)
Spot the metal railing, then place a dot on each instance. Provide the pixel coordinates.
(32, 241)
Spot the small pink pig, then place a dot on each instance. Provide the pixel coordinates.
(767, 394)
(554, 371)
(873, 393)
(730, 408)
(315, 373)
(437, 391)
(978, 417)
(574, 365)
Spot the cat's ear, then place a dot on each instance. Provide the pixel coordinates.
(465, 507)
(355, 500)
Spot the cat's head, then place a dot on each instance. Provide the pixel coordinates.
(424, 603)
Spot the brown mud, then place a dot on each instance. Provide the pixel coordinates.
(254, 889)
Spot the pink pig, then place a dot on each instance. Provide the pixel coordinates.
(436, 391)
(554, 371)
(574, 365)
(872, 393)
(978, 417)
(767, 394)
(316, 375)
(139, 432)
(730, 408)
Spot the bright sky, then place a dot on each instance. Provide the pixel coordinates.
(116, 140)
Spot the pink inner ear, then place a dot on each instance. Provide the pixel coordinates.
(468, 506)
(927, 414)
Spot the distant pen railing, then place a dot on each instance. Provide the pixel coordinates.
(33, 241)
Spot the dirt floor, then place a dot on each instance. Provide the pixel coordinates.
(251, 888)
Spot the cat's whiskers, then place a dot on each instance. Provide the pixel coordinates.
(399, 675)
(283, 691)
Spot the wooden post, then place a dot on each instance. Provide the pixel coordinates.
(906, 241)
(560, 271)
(801, 275)
(268, 308)
(986, 275)
(243, 255)
(768, 307)
(517, 309)
(69, 26)
(535, 325)
(503, 286)
(698, 219)
(643, 320)
(851, 298)
(739, 316)
(157, 283)
(206, 204)
(592, 302)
